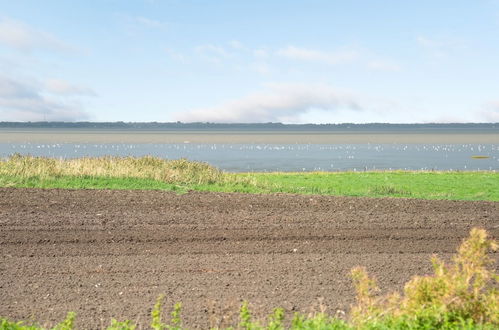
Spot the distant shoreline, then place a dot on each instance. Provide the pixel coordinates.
(245, 137)
(139, 133)
(178, 126)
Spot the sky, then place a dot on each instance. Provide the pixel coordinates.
(252, 61)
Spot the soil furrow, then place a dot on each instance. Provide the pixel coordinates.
(110, 253)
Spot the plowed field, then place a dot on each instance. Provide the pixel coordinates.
(110, 254)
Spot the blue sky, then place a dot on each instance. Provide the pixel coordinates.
(250, 61)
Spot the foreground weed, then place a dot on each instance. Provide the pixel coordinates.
(318, 321)
(67, 324)
(462, 294)
(276, 320)
(156, 323)
(125, 325)
(245, 318)
(9, 325)
(156, 315)
(300, 322)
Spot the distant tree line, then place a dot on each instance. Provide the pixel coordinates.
(251, 127)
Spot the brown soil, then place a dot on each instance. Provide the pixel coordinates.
(110, 254)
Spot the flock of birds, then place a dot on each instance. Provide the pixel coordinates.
(298, 157)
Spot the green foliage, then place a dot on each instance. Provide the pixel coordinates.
(245, 318)
(156, 315)
(462, 294)
(276, 320)
(318, 321)
(9, 325)
(176, 320)
(156, 323)
(125, 325)
(68, 322)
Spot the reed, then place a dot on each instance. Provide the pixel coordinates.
(179, 171)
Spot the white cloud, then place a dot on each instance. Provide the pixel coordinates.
(312, 55)
(212, 50)
(213, 53)
(377, 65)
(236, 44)
(22, 101)
(135, 22)
(22, 37)
(439, 47)
(260, 53)
(62, 87)
(173, 54)
(279, 103)
(490, 112)
(150, 23)
(261, 68)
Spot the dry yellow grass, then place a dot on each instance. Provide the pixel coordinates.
(171, 171)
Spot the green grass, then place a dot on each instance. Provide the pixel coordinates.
(87, 182)
(426, 185)
(459, 295)
(149, 173)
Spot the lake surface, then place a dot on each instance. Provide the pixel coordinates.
(271, 151)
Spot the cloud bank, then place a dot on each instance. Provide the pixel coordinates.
(22, 37)
(21, 101)
(383, 66)
(62, 87)
(279, 103)
(440, 47)
(312, 55)
(490, 113)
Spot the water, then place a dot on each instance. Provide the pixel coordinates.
(243, 157)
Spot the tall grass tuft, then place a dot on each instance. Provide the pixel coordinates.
(179, 171)
(460, 294)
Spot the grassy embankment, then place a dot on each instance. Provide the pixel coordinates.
(460, 295)
(182, 175)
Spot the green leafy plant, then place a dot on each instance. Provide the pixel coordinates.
(68, 322)
(156, 315)
(9, 325)
(156, 323)
(245, 317)
(176, 319)
(463, 293)
(276, 320)
(125, 325)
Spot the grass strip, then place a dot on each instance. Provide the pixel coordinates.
(149, 173)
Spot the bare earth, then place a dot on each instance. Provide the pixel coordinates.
(110, 254)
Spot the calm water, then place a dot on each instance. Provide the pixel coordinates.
(240, 157)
